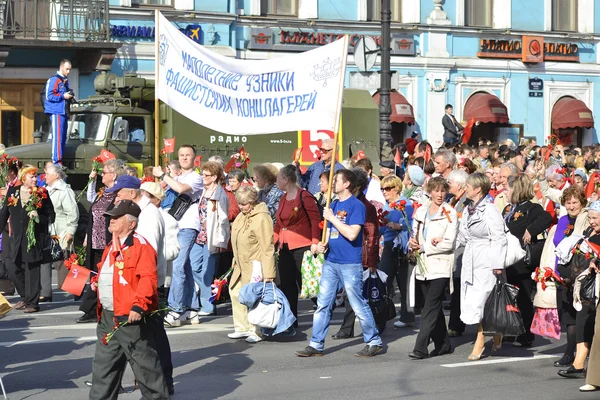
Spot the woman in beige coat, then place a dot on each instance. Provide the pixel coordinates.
(252, 240)
(435, 226)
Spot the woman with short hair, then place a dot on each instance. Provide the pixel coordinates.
(251, 239)
(526, 221)
(265, 178)
(482, 233)
(64, 226)
(435, 226)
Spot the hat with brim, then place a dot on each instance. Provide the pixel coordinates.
(387, 164)
(124, 207)
(154, 189)
(124, 182)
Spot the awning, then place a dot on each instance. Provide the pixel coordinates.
(569, 112)
(402, 111)
(485, 107)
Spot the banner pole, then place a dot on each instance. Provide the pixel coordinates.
(338, 114)
(157, 160)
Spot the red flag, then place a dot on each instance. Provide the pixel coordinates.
(106, 155)
(594, 247)
(547, 152)
(591, 185)
(398, 157)
(427, 154)
(467, 131)
(76, 280)
(198, 161)
(360, 155)
(169, 145)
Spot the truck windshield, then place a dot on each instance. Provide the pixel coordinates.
(89, 126)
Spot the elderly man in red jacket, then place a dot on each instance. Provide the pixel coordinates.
(370, 253)
(127, 284)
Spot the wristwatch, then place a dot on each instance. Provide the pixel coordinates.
(162, 177)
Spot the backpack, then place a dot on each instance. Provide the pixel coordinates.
(43, 91)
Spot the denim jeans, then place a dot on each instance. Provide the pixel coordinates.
(182, 288)
(350, 275)
(204, 266)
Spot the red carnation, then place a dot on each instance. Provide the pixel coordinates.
(105, 339)
(321, 225)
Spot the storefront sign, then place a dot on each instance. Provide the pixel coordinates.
(402, 46)
(536, 84)
(260, 39)
(193, 32)
(531, 49)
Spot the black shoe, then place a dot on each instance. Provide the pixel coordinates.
(341, 336)
(565, 361)
(445, 349)
(309, 352)
(418, 355)
(453, 333)
(86, 319)
(46, 299)
(369, 351)
(573, 373)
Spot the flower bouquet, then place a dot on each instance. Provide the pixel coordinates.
(218, 285)
(239, 160)
(97, 165)
(37, 195)
(76, 259)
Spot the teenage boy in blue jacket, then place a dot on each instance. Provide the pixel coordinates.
(56, 104)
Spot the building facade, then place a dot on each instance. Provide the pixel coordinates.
(520, 69)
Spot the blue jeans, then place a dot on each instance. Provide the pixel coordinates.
(182, 288)
(204, 266)
(350, 275)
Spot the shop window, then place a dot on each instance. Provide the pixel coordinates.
(152, 2)
(479, 13)
(279, 7)
(564, 15)
(374, 10)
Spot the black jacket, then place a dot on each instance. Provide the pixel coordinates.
(533, 218)
(451, 130)
(19, 220)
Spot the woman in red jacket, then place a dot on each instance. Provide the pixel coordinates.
(296, 231)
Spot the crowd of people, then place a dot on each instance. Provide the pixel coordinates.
(439, 225)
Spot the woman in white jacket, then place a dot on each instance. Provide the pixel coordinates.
(435, 227)
(482, 232)
(213, 234)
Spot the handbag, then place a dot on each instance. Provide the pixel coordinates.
(527, 260)
(180, 206)
(265, 315)
(5, 306)
(311, 269)
(514, 251)
(587, 290)
(382, 306)
(546, 323)
(52, 252)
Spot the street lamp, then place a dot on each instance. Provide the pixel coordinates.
(385, 109)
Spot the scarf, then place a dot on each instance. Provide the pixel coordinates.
(472, 207)
(559, 234)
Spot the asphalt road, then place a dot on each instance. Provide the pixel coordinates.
(47, 356)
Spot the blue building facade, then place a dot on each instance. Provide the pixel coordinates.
(506, 64)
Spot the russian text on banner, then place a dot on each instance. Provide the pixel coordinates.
(297, 92)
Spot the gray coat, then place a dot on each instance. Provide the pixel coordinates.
(65, 207)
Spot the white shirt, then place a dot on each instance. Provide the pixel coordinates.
(105, 285)
(151, 227)
(191, 218)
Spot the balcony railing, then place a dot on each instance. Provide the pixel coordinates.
(58, 20)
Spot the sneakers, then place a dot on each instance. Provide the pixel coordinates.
(369, 351)
(254, 339)
(239, 335)
(589, 388)
(194, 317)
(207, 314)
(309, 352)
(174, 319)
(400, 324)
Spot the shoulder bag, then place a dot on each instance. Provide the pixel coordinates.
(52, 251)
(180, 206)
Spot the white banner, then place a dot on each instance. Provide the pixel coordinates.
(296, 92)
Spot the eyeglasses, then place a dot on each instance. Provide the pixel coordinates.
(387, 189)
(325, 150)
(107, 172)
(207, 175)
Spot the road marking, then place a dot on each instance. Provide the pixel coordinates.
(500, 361)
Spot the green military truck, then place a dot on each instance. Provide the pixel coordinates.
(120, 118)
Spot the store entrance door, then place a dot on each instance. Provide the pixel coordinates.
(21, 112)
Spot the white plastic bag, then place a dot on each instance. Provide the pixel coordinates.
(257, 275)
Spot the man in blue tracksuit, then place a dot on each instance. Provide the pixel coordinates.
(57, 105)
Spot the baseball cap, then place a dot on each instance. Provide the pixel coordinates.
(124, 182)
(154, 189)
(124, 207)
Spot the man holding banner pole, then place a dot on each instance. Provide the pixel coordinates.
(310, 179)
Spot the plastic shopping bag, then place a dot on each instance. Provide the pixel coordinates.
(501, 315)
(312, 267)
(546, 323)
(257, 275)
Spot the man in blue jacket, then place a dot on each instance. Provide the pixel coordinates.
(56, 105)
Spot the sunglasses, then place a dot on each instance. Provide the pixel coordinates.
(325, 150)
(387, 189)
